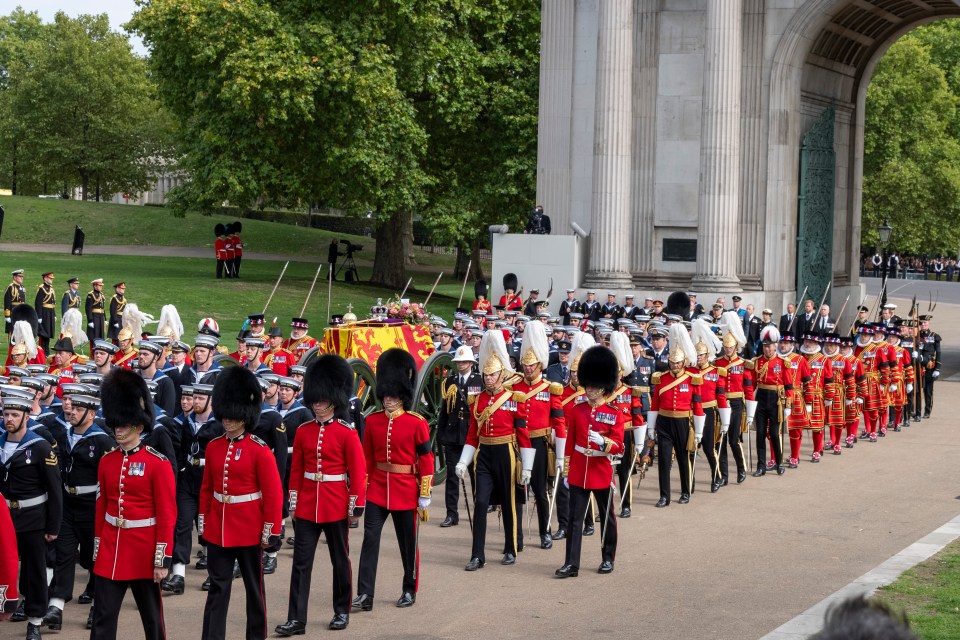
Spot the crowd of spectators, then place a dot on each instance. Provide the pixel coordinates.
(924, 267)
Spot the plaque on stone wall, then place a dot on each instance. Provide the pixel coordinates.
(679, 250)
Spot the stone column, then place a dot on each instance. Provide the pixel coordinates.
(720, 150)
(645, 50)
(610, 215)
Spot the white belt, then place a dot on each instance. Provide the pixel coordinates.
(197, 462)
(123, 523)
(83, 489)
(589, 452)
(248, 497)
(324, 477)
(29, 502)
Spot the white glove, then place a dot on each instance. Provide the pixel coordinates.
(935, 375)
(423, 503)
(461, 470)
(466, 457)
(809, 408)
(751, 409)
(859, 400)
(698, 424)
(200, 525)
(828, 403)
(90, 324)
(909, 388)
(914, 354)
(560, 448)
(848, 402)
(786, 413)
(893, 388)
(566, 483)
(9, 320)
(595, 438)
(750, 422)
(559, 464)
(650, 432)
(525, 477)
(724, 428)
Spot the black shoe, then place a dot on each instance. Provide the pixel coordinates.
(354, 524)
(339, 622)
(236, 569)
(33, 632)
(741, 476)
(269, 565)
(625, 512)
(662, 502)
(491, 508)
(926, 415)
(896, 428)
(362, 602)
(474, 564)
(173, 585)
(90, 619)
(546, 541)
(916, 418)
(406, 600)
(290, 628)
(202, 561)
(206, 585)
(508, 559)
(53, 619)
(290, 541)
(448, 522)
(567, 571)
(781, 470)
(85, 598)
(684, 498)
(560, 534)
(760, 472)
(588, 530)
(19, 615)
(725, 481)
(606, 567)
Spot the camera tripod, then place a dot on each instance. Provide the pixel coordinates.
(350, 267)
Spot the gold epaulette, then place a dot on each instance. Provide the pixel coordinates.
(556, 389)
(472, 398)
(416, 415)
(749, 364)
(696, 379)
(722, 371)
(519, 396)
(655, 378)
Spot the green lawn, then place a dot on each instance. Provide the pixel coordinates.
(930, 595)
(189, 284)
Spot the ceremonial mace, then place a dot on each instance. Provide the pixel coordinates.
(464, 287)
(275, 286)
(310, 293)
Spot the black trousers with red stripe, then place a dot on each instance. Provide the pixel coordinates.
(220, 567)
(405, 524)
(107, 599)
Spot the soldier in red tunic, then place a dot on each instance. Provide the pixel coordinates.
(511, 300)
(888, 386)
(851, 414)
(399, 457)
(498, 428)
(136, 511)
(901, 377)
(713, 399)
(875, 369)
(240, 504)
(844, 390)
(276, 357)
(327, 486)
(733, 341)
(675, 408)
(480, 293)
(819, 395)
(299, 342)
(769, 390)
(545, 424)
(9, 563)
(573, 395)
(595, 437)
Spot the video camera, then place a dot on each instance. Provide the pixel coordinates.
(351, 247)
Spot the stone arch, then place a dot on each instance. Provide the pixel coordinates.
(827, 54)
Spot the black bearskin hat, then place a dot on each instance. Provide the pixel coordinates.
(228, 228)
(480, 289)
(678, 304)
(396, 376)
(125, 399)
(237, 227)
(219, 229)
(236, 396)
(510, 281)
(24, 313)
(329, 378)
(599, 368)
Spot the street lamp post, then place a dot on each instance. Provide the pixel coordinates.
(884, 231)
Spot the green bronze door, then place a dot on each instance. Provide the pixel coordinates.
(818, 162)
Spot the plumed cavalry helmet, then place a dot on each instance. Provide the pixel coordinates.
(329, 378)
(493, 354)
(125, 399)
(534, 348)
(599, 368)
(396, 376)
(581, 342)
(681, 346)
(732, 329)
(237, 396)
(704, 340)
(620, 346)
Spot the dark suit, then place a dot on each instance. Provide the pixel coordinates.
(804, 325)
(556, 373)
(751, 329)
(452, 425)
(784, 324)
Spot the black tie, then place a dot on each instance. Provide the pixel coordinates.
(563, 370)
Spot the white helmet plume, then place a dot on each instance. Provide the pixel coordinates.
(534, 347)
(620, 345)
(23, 333)
(72, 326)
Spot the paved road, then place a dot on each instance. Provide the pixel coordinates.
(925, 290)
(736, 564)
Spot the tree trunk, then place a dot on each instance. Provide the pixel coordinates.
(97, 194)
(408, 255)
(476, 268)
(463, 258)
(389, 267)
(13, 186)
(84, 185)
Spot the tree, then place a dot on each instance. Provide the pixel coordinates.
(16, 30)
(357, 105)
(911, 154)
